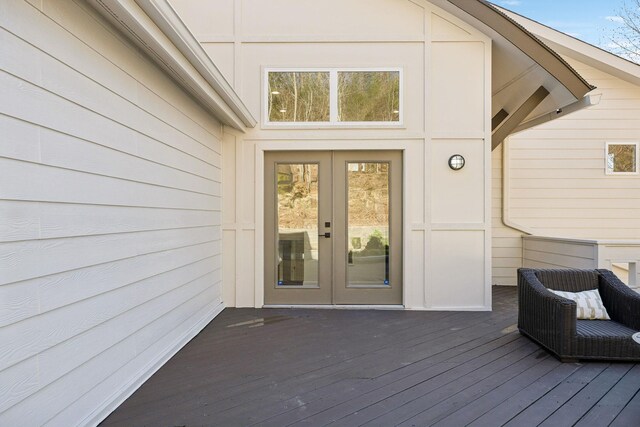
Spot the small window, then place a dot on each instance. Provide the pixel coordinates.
(369, 96)
(622, 158)
(298, 97)
(334, 97)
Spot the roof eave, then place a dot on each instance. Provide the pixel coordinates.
(529, 44)
(167, 19)
(156, 29)
(580, 50)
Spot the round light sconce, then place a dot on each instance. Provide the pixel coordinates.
(456, 162)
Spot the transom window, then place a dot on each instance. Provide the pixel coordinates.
(334, 97)
(622, 158)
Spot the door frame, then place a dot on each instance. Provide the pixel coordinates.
(333, 286)
(405, 146)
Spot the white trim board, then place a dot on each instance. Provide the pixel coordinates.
(337, 306)
(261, 146)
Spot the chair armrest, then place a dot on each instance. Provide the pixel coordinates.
(545, 316)
(621, 302)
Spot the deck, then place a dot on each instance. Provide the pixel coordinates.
(276, 367)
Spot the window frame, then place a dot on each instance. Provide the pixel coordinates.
(611, 172)
(333, 99)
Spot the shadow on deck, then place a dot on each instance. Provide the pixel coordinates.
(277, 367)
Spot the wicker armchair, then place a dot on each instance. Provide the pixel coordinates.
(550, 320)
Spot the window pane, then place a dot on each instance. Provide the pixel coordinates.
(368, 224)
(298, 97)
(372, 96)
(621, 158)
(297, 224)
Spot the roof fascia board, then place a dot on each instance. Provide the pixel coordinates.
(599, 59)
(166, 18)
(580, 50)
(527, 43)
(142, 30)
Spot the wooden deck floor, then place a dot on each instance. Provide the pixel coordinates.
(277, 367)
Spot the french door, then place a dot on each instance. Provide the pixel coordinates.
(333, 227)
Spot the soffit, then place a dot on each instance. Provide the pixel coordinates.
(521, 63)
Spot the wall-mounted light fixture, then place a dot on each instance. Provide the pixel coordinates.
(456, 162)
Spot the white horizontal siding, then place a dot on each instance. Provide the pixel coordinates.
(110, 207)
(53, 184)
(47, 111)
(506, 242)
(173, 322)
(24, 220)
(558, 186)
(21, 300)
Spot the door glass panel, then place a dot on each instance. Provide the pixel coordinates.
(297, 236)
(368, 224)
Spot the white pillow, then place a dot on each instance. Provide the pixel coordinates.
(589, 303)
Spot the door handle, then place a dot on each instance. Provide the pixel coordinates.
(327, 235)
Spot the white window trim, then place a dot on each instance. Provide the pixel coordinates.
(606, 158)
(333, 99)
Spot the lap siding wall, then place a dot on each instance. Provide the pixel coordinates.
(110, 198)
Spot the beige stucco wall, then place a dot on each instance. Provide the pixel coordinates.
(558, 186)
(446, 73)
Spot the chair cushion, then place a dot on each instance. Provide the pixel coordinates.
(602, 328)
(605, 339)
(590, 306)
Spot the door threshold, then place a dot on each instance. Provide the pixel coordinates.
(339, 306)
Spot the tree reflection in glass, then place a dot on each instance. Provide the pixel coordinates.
(298, 97)
(368, 224)
(297, 224)
(369, 96)
(621, 158)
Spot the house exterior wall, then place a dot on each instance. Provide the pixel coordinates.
(446, 72)
(506, 242)
(557, 183)
(110, 230)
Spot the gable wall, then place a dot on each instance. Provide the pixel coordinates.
(446, 71)
(558, 186)
(110, 216)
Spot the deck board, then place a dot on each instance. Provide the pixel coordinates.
(277, 367)
(504, 411)
(592, 393)
(541, 409)
(614, 402)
